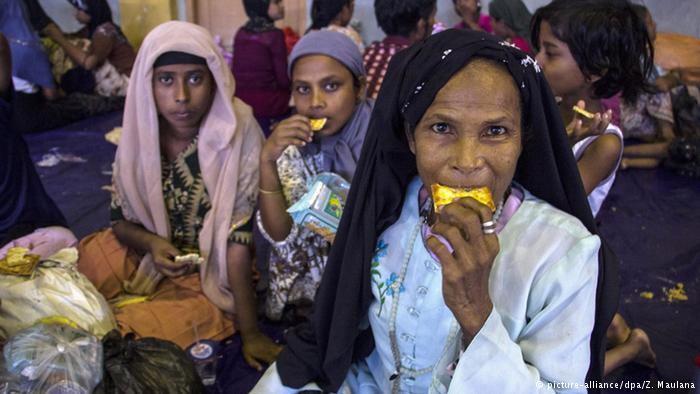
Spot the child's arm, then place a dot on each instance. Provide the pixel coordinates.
(598, 160)
(100, 47)
(657, 149)
(256, 346)
(273, 207)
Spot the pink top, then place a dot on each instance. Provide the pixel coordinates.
(260, 70)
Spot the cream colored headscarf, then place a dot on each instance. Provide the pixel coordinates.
(228, 149)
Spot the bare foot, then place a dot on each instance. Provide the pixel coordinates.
(618, 331)
(645, 355)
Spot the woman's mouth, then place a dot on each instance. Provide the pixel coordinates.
(183, 115)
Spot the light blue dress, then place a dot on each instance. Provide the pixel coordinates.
(542, 285)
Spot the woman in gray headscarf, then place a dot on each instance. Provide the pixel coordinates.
(328, 82)
(511, 20)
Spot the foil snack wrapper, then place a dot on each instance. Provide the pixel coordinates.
(322, 206)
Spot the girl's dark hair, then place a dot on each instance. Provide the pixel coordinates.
(606, 38)
(324, 11)
(400, 17)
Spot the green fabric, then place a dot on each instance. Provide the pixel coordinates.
(514, 14)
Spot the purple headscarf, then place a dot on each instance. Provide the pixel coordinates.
(341, 151)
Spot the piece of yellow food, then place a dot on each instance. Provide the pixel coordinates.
(19, 261)
(647, 294)
(443, 195)
(583, 112)
(676, 294)
(317, 124)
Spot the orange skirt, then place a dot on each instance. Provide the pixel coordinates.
(178, 311)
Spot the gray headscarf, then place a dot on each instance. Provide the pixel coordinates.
(341, 151)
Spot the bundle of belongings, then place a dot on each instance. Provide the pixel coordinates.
(31, 289)
(60, 336)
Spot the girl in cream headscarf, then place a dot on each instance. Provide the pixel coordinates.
(185, 180)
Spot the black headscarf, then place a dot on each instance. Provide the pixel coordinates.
(99, 12)
(323, 349)
(260, 20)
(24, 204)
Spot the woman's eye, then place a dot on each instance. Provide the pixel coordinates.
(165, 79)
(440, 128)
(301, 89)
(496, 130)
(195, 79)
(332, 86)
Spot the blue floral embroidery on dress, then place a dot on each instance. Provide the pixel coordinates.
(379, 252)
(392, 285)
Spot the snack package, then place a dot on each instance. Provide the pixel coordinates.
(321, 207)
(443, 195)
(18, 262)
(54, 358)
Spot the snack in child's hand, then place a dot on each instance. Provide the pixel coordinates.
(191, 258)
(583, 112)
(317, 124)
(443, 195)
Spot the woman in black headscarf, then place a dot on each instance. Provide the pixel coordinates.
(460, 109)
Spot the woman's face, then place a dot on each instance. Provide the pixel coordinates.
(471, 135)
(323, 88)
(183, 94)
(500, 28)
(82, 17)
(468, 9)
(559, 66)
(276, 10)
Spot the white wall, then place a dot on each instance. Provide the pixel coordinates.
(63, 13)
(679, 16)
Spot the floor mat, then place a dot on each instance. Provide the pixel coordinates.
(74, 184)
(651, 220)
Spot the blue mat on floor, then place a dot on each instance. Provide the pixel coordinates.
(651, 220)
(76, 186)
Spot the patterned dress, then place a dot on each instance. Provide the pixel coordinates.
(297, 262)
(187, 202)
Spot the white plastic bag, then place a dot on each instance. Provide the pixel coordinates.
(55, 289)
(54, 358)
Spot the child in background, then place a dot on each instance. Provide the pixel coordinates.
(335, 15)
(260, 62)
(589, 50)
(404, 22)
(510, 19)
(328, 81)
(185, 179)
(472, 18)
(107, 44)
